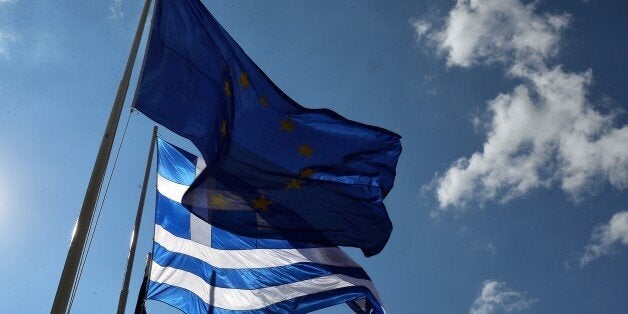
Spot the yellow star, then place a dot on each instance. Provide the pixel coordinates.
(223, 128)
(227, 88)
(306, 173)
(263, 101)
(217, 201)
(287, 125)
(261, 203)
(306, 150)
(244, 80)
(293, 184)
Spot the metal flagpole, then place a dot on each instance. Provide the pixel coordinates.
(77, 244)
(124, 292)
(141, 297)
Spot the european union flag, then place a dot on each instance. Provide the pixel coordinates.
(275, 169)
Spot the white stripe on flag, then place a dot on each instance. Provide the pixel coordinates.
(175, 191)
(200, 231)
(241, 299)
(255, 258)
(170, 189)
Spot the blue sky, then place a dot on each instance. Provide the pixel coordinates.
(511, 189)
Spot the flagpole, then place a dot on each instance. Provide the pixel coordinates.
(140, 307)
(77, 243)
(124, 292)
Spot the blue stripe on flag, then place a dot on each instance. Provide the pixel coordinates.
(225, 240)
(175, 164)
(188, 302)
(173, 217)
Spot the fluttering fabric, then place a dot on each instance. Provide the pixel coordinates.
(283, 171)
(200, 268)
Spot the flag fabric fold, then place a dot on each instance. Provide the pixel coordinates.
(200, 268)
(285, 171)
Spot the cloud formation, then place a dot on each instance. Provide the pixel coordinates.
(116, 9)
(606, 237)
(545, 132)
(497, 297)
(5, 39)
(484, 31)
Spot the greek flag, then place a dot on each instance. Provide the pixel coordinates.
(199, 268)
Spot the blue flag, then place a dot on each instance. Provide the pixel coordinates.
(292, 173)
(199, 268)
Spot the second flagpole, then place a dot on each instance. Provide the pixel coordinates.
(124, 292)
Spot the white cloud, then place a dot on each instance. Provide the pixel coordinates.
(491, 250)
(496, 297)
(542, 133)
(421, 27)
(480, 31)
(605, 237)
(5, 40)
(116, 9)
